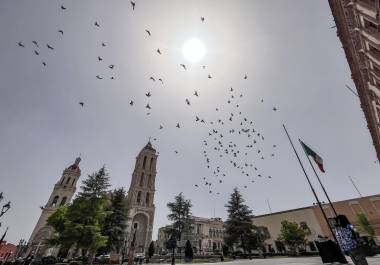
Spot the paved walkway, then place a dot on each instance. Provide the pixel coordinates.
(287, 261)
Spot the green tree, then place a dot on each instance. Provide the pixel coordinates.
(364, 225)
(151, 250)
(189, 254)
(115, 223)
(292, 235)
(239, 226)
(80, 223)
(180, 215)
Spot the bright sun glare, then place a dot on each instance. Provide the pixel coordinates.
(194, 50)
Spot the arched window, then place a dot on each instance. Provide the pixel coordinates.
(138, 199)
(142, 180)
(147, 199)
(149, 180)
(63, 179)
(151, 163)
(72, 183)
(55, 200)
(63, 201)
(144, 162)
(68, 180)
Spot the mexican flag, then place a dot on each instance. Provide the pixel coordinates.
(317, 159)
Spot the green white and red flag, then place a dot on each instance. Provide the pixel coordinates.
(317, 159)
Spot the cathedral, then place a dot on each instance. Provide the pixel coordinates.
(140, 199)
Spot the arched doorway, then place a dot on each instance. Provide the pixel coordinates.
(140, 223)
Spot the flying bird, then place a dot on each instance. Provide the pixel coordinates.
(60, 31)
(100, 58)
(133, 5)
(148, 94)
(158, 51)
(20, 44)
(103, 44)
(152, 78)
(184, 66)
(160, 79)
(161, 127)
(187, 102)
(202, 19)
(36, 52)
(178, 126)
(99, 77)
(43, 63)
(196, 93)
(131, 103)
(35, 43)
(245, 77)
(148, 106)
(209, 76)
(49, 47)
(111, 66)
(82, 104)
(97, 24)
(63, 8)
(148, 31)
(274, 109)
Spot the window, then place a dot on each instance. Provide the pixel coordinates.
(138, 199)
(142, 180)
(63, 179)
(63, 201)
(149, 180)
(144, 162)
(55, 200)
(147, 199)
(68, 180)
(72, 183)
(151, 164)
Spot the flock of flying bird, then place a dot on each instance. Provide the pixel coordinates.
(224, 135)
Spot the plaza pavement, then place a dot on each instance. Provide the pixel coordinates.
(287, 261)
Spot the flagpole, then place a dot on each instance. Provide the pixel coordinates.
(311, 186)
(319, 180)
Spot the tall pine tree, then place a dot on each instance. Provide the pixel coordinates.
(239, 227)
(115, 223)
(180, 214)
(80, 224)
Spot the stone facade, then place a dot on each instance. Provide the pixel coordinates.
(62, 193)
(206, 236)
(141, 198)
(358, 27)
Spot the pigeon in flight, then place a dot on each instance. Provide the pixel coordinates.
(204, 66)
(158, 51)
(49, 47)
(148, 31)
(131, 103)
(209, 76)
(161, 127)
(60, 31)
(63, 8)
(35, 43)
(43, 63)
(148, 106)
(111, 66)
(196, 93)
(245, 77)
(20, 44)
(178, 125)
(100, 58)
(97, 24)
(103, 44)
(36, 52)
(133, 5)
(160, 79)
(202, 19)
(82, 104)
(148, 94)
(99, 77)
(274, 109)
(187, 102)
(184, 66)
(152, 78)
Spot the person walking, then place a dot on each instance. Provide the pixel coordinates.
(348, 240)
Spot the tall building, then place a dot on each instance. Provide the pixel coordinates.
(62, 193)
(358, 27)
(206, 236)
(141, 198)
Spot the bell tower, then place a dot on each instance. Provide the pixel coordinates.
(62, 193)
(141, 197)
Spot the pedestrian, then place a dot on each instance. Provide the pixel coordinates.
(348, 240)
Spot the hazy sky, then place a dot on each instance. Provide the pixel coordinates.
(293, 60)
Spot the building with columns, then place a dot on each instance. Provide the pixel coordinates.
(141, 198)
(358, 28)
(62, 193)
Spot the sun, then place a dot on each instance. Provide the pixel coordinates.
(194, 50)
